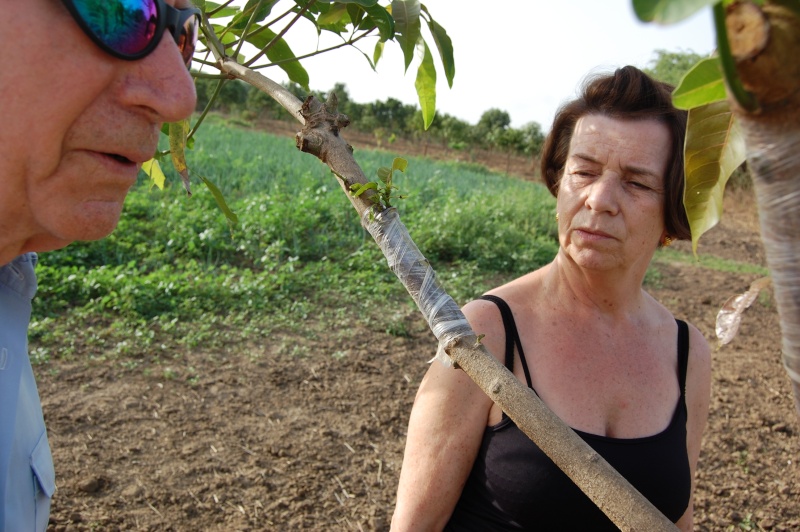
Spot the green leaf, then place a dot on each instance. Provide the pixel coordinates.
(382, 20)
(356, 14)
(362, 3)
(407, 26)
(399, 164)
(384, 173)
(154, 172)
(702, 84)
(257, 10)
(336, 18)
(177, 150)
(377, 53)
(278, 53)
(714, 149)
(214, 10)
(426, 87)
(445, 47)
(668, 11)
(220, 199)
(360, 189)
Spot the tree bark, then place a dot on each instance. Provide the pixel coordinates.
(765, 43)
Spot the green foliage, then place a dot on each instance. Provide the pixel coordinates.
(386, 187)
(702, 84)
(668, 11)
(407, 25)
(175, 274)
(491, 131)
(426, 85)
(670, 67)
(709, 262)
(714, 148)
(230, 27)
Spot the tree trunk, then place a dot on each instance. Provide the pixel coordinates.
(765, 43)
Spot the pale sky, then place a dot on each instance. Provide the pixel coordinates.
(522, 56)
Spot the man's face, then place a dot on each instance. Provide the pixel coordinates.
(77, 124)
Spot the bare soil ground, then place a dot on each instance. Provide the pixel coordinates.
(265, 439)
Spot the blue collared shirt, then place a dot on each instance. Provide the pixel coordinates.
(27, 477)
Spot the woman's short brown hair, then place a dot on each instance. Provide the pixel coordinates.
(627, 94)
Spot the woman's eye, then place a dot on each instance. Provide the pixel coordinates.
(641, 186)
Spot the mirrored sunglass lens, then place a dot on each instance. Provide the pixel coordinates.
(188, 39)
(126, 26)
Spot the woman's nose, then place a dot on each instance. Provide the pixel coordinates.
(603, 194)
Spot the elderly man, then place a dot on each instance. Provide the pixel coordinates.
(85, 86)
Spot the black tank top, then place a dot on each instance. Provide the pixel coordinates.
(513, 485)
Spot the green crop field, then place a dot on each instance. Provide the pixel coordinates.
(176, 273)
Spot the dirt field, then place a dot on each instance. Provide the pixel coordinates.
(265, 439)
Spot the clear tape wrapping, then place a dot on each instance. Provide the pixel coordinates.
(443, 315)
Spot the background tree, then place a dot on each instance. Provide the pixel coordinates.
(490, 128)
(532, 141)
(670, 67)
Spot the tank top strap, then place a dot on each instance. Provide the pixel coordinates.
(683, 354)
(512, 336)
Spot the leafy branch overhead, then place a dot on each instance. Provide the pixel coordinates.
(264, 24)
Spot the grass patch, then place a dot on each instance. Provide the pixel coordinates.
(709, 262)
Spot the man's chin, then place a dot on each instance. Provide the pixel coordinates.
(96, 220)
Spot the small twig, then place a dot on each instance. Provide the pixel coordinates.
(154, 509)
(193, 496)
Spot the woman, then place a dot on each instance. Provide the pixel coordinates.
(605, 356)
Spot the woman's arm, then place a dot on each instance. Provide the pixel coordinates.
(445, 430)
(698, 396)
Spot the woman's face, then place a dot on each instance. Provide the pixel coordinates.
(610, 198)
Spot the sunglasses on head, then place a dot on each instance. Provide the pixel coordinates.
(131, 29)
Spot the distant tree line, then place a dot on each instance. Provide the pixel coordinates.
(387, 120)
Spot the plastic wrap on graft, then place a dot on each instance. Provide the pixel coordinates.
(443, 315)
